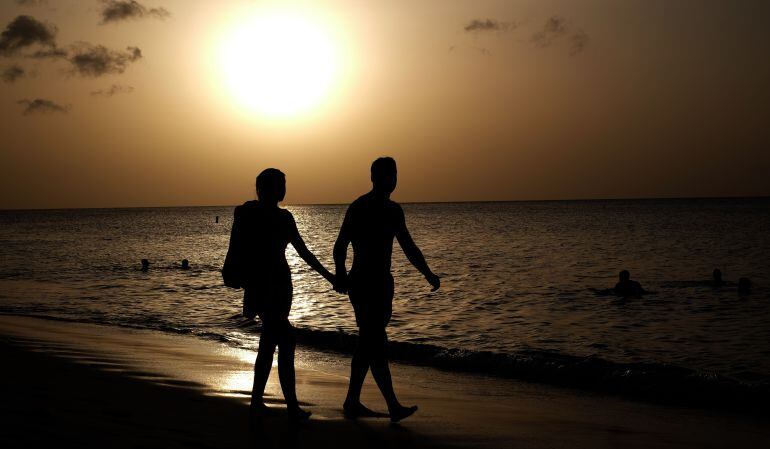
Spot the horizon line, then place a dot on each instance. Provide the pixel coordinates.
(672, 198)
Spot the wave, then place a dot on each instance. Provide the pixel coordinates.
(649, 381)
(656, 382)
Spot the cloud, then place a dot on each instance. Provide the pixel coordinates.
(41, 106)
(553, 28)
(30, 2)
(97, 60)
(119, 10)
(12, 73)
(112, 90)
(483, 25)
(25, 31)
(556, 27)
(578, 42)
(54, 52)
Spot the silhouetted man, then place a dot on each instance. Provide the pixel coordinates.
(371, 223)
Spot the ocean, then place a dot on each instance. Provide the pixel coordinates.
(523, 285)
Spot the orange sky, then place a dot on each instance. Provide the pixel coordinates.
(476, 100)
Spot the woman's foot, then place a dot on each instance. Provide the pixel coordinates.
(353, 410)
(401, 412)
(258, 408)
(297, 414)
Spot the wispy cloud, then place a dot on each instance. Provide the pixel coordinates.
(24, 32)
(482, 25)
(556, 27)
(42, 106)
(553, 28)
(30, 2)
(120, 10)
(54, 52)
(113, 90)
(97, 60)
(12, 73)
(578, 42)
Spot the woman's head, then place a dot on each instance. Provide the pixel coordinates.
(271, 185)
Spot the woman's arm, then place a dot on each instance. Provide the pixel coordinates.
(306, 255)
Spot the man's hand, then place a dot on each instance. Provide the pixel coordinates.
(341, 283)
(434, 281)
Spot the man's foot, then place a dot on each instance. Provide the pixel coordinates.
(353, 410)
(297, 414)
(401, 412)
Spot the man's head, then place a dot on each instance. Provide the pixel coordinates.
(384, 174)
(624, 276)
(271, 185)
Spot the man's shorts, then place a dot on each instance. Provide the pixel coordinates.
(372, 300)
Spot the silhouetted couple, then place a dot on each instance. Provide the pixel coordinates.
(256, 261)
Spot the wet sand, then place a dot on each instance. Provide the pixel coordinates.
(95, 386)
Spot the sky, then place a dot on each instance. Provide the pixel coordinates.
(183, 102)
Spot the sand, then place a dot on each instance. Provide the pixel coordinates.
(83, 385)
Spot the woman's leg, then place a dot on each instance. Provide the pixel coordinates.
(267, 344)
(286, 347)
(287, 344)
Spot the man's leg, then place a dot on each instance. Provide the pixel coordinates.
(378, 340)
(359, 366)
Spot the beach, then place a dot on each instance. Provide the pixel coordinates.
(89, 385)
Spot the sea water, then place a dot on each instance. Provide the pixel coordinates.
(522, 282)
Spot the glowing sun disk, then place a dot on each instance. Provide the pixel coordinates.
(278, 65)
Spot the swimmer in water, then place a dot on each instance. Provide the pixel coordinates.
(626, 287)
(145, 265)
(744, 286)
(185, 264)
(717, 278)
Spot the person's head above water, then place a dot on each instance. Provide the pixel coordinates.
(744, 286)
(271, 186)
(624, 275)
(384, 175)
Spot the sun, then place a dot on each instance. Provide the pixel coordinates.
(279, 64)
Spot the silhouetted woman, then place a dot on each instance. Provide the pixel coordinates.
(261, 231)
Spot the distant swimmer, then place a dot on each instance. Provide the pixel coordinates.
(145, 264)
(744, 286)
(717, 278)
(626, 287)
(185, 264)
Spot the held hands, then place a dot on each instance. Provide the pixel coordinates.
(434, 281)
(339, 287)
(341, 283)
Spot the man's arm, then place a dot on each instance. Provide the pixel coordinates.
(340, 254)
(414, 254)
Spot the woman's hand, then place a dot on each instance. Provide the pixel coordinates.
(328, 276)
(434, 281)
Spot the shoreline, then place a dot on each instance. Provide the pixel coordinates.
(650, 383)
(203, 388)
